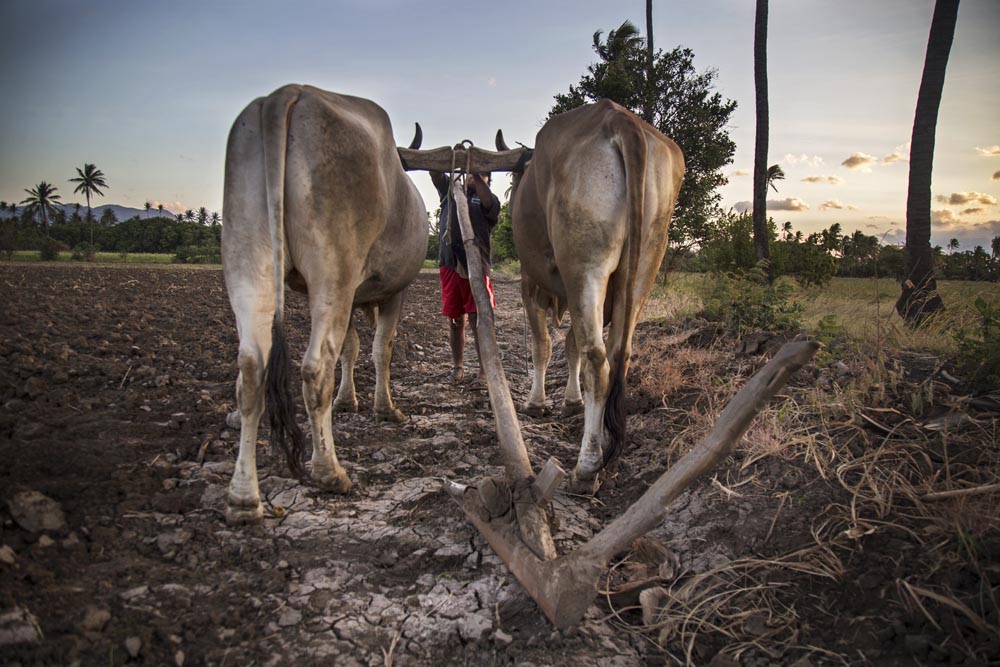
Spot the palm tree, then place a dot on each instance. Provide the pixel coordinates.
(216, 219)
(760, 170)
(919, 297)
(189, 214)
(787, 229)
(774, 173)
(148, 206)
(953, 245)
(159, 207)
(202, 216)
(90, 180)
(42, 200)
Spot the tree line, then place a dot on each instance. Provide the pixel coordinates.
(44, 224)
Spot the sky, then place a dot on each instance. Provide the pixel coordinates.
(147, 90)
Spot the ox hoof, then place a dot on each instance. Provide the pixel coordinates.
(345, 406)
(241, 511)
(534, 410)
(584, 486)
(233, 420)
(335, 481)
(394, 416)
(571, 408)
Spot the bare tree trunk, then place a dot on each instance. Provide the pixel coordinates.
(760, 240)
(919, 297)
(647, 107)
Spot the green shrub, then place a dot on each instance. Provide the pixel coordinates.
(744, 302)
(50, 249)
(200, 254)
(8, 239)
(84, 252)
(979, 349)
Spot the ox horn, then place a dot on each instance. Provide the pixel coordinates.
(445, 157)
(501, 144)
(418, 138)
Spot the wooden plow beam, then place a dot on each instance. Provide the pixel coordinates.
(510, 512)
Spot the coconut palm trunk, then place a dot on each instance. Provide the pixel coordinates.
(761, 249)
(919, 298)
(647, 107)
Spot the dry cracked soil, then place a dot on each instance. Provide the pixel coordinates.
(115, 383)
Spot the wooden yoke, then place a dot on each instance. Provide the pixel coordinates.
(470, 158)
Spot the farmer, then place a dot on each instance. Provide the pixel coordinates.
(456, 293)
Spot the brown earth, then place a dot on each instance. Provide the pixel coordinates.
(115, 383)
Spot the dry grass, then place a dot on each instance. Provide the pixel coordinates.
(891, 468)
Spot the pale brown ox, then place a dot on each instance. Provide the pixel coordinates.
(590, 218)
(315, 195)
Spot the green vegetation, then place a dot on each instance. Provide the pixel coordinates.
(188, 239)
(685, 108)
(744, 302)
(979, 348)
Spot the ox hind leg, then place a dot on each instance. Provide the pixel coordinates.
(385, 334)
(347, 398)
(541, 349)
(587, 330)
(330, 316)
(254, 326)
(572, 399)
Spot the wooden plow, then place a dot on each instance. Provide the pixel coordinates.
(510, 512)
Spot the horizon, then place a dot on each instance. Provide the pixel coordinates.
(842, 91)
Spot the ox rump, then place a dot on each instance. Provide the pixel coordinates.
(315, 196)
(590, 218)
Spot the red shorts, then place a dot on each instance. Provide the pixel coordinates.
(456, 294)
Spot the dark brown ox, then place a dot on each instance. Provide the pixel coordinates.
(590, 218)
(314, 195)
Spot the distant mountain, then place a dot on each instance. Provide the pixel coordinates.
(122, 213)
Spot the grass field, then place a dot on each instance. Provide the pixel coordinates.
(862, 308)
(101, 258)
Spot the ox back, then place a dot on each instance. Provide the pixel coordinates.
(590, 218)
(314, 195)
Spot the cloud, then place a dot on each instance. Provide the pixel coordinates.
(899, 154)
(973, 211)
(969, 234)
(813, 161)
(964, 198)
(832, 180)
(860, 161)
(942, 217)
(789, 204)
(491, 82)
(996, 176)
(746, 172)
(989, 151)
(836, 204)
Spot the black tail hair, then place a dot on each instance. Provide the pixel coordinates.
(614, 416)
(285, 432)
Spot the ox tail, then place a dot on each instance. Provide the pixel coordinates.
(631, 142)
(285, 431)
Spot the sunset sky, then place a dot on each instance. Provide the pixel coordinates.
(148, 90)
